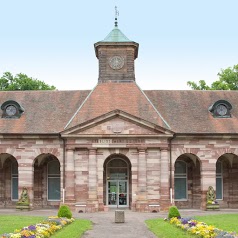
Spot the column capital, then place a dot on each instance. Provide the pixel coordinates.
(141, 149)
(164, 148)
(70, 148)
(92, 150)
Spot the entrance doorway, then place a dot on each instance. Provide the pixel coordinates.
(117, 183)
(117, 193)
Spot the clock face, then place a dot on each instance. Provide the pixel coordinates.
(116, 62)
(221, 110)
(11, 110)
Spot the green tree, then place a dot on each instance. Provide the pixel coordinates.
(8, 82)
(228, 80)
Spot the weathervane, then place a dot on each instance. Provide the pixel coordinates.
(116, 15)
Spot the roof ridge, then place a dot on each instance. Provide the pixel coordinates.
(71, 119)
(165, 122)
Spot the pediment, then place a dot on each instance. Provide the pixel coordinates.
(116, 123)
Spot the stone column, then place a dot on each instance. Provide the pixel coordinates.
(92, 181)
(69, 177)
(208, 178)
(100, 162)
(142, 175)
(164, 179)
(142, 188)
(26, 178)
(134, 181)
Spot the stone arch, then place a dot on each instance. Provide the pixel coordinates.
(47, 181)
(122, 169)
(186, 151)
(187, 181)
(8, 180)
(227, 180)
(223, 151)
(52, 151)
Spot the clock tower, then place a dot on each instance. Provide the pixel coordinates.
(116, 55)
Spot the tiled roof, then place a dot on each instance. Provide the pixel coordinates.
(180, 111)
(45, 111)
(110, 96)
(186, 111)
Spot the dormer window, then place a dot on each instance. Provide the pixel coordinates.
(11, 109)
(221, 109)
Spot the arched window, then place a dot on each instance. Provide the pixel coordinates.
(180, 181)
(219, 180)
(54, 180)
(117, 169)
(14, 180)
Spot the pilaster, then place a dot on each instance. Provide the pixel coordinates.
(208, 178)
(70, 177)
(164, 179)
(92, 204)
(142, 188)
(25, 180)
(142, 203)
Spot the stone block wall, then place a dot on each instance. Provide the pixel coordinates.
(25, 150)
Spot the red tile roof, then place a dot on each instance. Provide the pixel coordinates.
(110, 96)
(45, 111)
(184, 111)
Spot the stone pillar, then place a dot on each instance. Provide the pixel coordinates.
(2, 183)
(208, 178)
(142, 204)
(100, 162)
(92, 181)
(69, 178)
(134, 181)
(26, 178)
(142, 175)
(164, 179)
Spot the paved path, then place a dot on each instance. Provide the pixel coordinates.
(134, 226)
(104, 225)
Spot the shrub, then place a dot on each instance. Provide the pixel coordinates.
(173, 212)
(64, 211)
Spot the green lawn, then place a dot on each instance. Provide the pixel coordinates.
(162, 229)
(226, 222)
(74, 230)
(9, 223)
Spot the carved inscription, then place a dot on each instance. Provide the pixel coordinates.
(118, 141)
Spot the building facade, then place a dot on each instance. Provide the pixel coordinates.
(118, 146)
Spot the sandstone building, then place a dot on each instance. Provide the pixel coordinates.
(118, 145)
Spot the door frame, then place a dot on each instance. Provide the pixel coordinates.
(117, 193)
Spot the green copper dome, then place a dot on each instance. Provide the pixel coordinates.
(116, 36)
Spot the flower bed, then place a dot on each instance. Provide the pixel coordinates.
(41, 230)
(200, 229)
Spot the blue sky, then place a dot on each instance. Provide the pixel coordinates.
(179, 40)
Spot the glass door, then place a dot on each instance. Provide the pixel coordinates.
(122, 193)
(117, 193)
(112, 193)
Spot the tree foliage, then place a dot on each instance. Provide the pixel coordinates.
(228, 80)
(8, 82)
